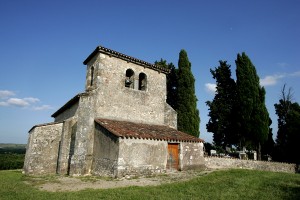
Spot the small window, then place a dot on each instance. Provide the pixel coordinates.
(142, 82)
(129, 79)
(92, 76)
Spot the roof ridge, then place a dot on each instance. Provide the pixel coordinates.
(44, 124)
(126, 58)
(68, 104)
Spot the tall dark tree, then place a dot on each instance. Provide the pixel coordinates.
(268, 146)
(288, 134)
(222, 109)
(172, 79)
(188, 115)
(253, 117)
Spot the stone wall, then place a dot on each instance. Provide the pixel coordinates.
(115, 101)
(192, 156)
(223, 163)
(82, 158)
(170, 116)
(141, 157)
(68, 113)
(106, 149)
(67, 145)
(42, 149)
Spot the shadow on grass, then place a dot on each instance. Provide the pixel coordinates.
(293, 189)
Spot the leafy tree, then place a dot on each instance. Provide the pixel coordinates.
(288, 134)
(207, 147)
(188, 115)
(252, 115)
(222, 108)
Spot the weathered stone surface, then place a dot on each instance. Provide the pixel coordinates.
(141, 157)
(192, 156)
(67, 145)
(68, 113)
(220, 163)
(115, 101)
(170, 116)
(42, 149)
(106, 152)
(81, 160)
(79, 146)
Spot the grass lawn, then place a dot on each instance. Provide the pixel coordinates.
(231, 184)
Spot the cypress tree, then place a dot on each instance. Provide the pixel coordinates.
(252, 115)
(222, 108)
(187, 113)
(171, 82)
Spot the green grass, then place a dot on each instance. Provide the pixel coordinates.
(231, 184)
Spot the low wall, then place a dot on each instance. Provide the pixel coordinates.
(226, 163)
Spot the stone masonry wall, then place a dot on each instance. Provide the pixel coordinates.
(42, 149)
(115, 101)
(68, 113)
(141, 157)
(170, 116)
(67, 145)
(223, 163)
(192, 156)
(106, 149)
(81, 160)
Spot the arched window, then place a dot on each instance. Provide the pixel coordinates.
(142, 81)
(129, 79)
(92, 76)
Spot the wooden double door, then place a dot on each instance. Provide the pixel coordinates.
(173, 156)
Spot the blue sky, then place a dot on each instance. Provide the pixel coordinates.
(43, 45)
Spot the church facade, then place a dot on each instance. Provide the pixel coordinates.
(121, 125)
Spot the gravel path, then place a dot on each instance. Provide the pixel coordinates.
(66, 183)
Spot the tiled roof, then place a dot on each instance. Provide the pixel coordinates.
(145, 131)
(127, 58)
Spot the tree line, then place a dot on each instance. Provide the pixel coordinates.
(237, 114)
(239, 117)
(12, 157)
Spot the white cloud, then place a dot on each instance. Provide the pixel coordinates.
(31, 99)
(273, 79)
(28, 102)
(210, 88)
(43, 107)
(17, 102)
(3, 103)
(270, 80)
(6, 93)
(295, 73)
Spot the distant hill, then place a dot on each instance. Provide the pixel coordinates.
(12, 146)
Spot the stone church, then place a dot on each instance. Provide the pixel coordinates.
(121, 125)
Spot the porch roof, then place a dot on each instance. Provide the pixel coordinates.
(125, 129)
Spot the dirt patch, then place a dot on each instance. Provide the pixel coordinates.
(67, 183)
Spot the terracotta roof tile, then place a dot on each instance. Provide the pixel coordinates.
(145, 131)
